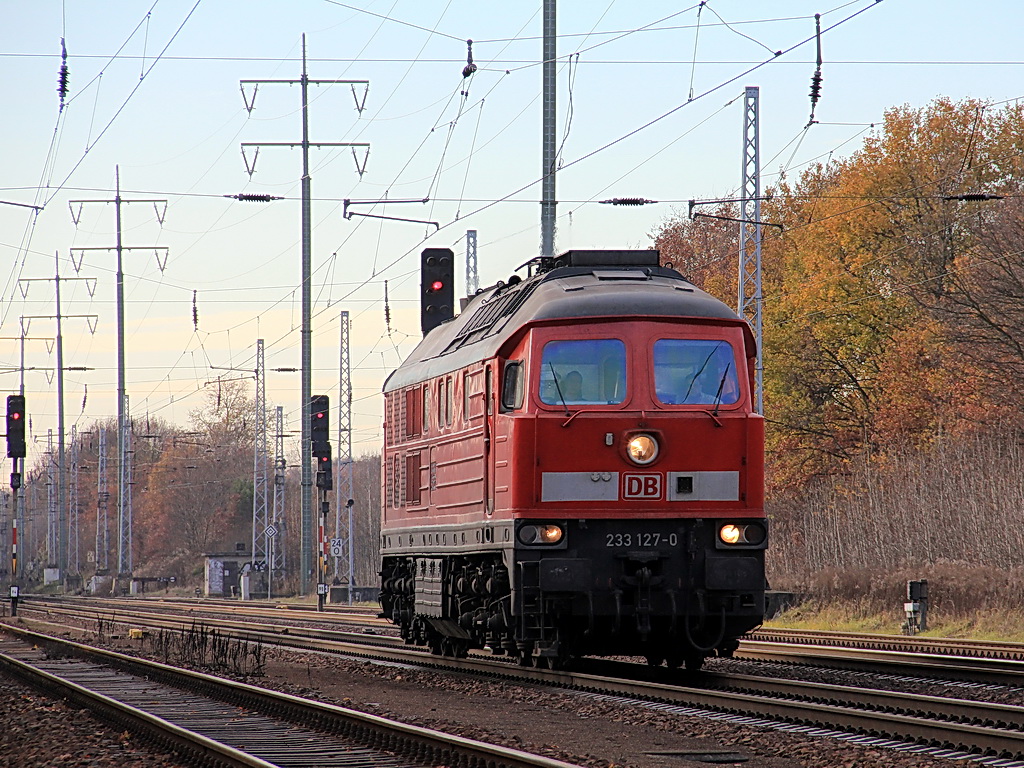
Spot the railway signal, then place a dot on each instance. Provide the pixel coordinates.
(324, 475)
(319, 423)
(16, 426)
(437, 283)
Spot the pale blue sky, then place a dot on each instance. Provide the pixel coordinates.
(154, 88)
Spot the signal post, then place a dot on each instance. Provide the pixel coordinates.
(16, 451)
(319, 422)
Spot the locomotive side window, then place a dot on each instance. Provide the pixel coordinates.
(473, 394)
(449, 402)
(488, 390)
(412, 473)
(583, 372)
(512, 389)
(440, 403)
(695, 371)
(412, 412)
(426, 410)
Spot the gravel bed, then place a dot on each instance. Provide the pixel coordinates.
(564, 725)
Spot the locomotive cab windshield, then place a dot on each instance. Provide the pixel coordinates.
(583, 372)
(695, 372)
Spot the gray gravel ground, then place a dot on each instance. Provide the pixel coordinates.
(563, 725)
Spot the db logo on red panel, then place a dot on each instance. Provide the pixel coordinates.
(641, 486)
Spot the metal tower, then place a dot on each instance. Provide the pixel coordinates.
(343, 485)
(52, 527)
(750, 297)
(472, 278)
(74, 566)
(124, 506)
(307, 522)
(102, 497)
(549, 159)
(260, 521)
(124, 512)
(277, 538)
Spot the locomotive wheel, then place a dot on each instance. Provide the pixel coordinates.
(455, 648)
(656, 661)
(694, 661)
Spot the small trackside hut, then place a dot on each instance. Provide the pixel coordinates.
(573, 466)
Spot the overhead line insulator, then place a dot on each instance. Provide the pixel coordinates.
(251, 198)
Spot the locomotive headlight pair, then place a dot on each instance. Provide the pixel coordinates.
(543, 533)
(642, 449)
(747, 534)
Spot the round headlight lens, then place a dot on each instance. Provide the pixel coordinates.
(749, 534)
(549, 534)
(729, 534)
(642, 449)
(541, 534)
(753, 534)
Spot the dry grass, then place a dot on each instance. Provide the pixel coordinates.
(966, 601)
(1004, 625)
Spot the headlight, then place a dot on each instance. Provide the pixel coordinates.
(535, 535)
(749, 534)
(642, 449)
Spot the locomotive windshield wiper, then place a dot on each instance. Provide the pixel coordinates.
(721, 386)
(558, 388)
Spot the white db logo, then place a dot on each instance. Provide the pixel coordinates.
(641, 487)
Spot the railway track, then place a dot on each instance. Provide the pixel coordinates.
(213, 721)
(948, 646)
(942, 723)
(307, 629)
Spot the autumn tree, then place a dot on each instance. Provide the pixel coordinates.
(704, 248)
(880, 330)
(199, 492)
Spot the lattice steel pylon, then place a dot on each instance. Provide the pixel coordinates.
(52, 532)
(74, 564)
(277, 539)
(102, 497)
(124, 511)
(260, 520)
(472, 277)
(750, 299)
(343, 484)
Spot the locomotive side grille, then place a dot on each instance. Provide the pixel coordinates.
(485, 320)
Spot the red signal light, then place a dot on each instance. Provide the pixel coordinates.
(15, 415)
(437, 285)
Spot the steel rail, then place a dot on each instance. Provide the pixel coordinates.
(178, 739)
(997, 670)
(1001, 671)
(287, 635)
(420, 745)
(907, 643)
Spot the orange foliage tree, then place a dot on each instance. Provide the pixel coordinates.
(894, 300)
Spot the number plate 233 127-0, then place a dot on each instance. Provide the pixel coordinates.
(645, 539)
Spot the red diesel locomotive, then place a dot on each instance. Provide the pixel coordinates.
(573, 466)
